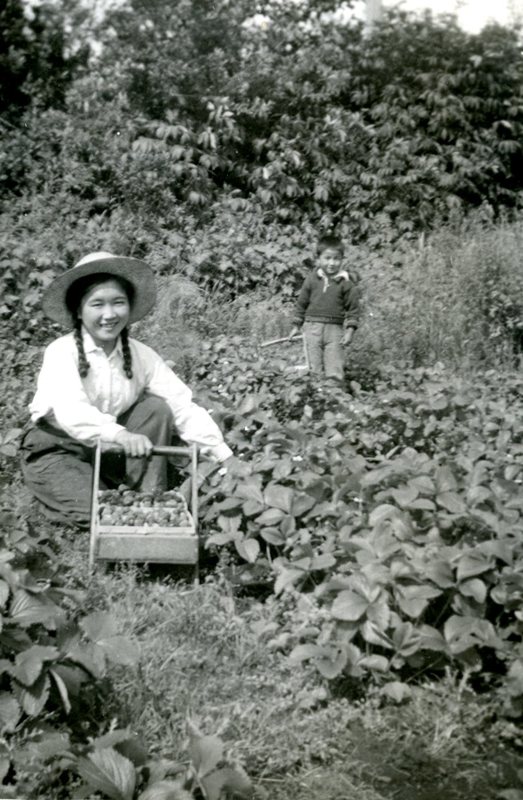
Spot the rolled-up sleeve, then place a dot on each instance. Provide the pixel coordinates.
(194, 424)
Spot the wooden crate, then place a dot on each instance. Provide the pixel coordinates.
(145, 543)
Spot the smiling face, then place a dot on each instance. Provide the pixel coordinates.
(330, 260)
(104, 311)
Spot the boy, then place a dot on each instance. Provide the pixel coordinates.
(327, 308)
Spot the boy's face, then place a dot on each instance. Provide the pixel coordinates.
(330, 260)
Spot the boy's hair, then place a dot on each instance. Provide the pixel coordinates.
(329, 242)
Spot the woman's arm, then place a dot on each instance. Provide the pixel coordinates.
(193, 423)
(60, 393)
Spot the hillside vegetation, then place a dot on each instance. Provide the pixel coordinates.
(358, 630)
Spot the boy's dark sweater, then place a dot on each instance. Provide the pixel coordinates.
(334, 299)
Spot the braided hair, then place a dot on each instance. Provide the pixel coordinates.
(73, 301)
(83, 363)
(126, 351)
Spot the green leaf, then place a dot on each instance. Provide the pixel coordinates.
(49, 746)
(205, 752)
(406, 639)
(286, 577)
(397, 691)
(331, 667)
(28, 609)
(451, 502)
(273, 536)
(383, 512)
(99, 625)
(277, 496)
(270, 517)
(33, 698)
(474, 588)
(251, 507)
(431, 639)
(302, 503)
(234, 781)
(304, 652)
(375, 662)
(404, 496)
(248, 549)
(471, 564)
(349, 606)
(218, 539)
(250, 490)
(421, 504)
(414, 599)
(4, 593)
(230, 524)
(375, 635)
(108, 772)
(465, 632)
(440, 573)
(10, 712)
(5, 766)
(445, 480)
(29, 663)
(323, 561)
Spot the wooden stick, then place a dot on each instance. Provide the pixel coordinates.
(284, 339)
(93, 541)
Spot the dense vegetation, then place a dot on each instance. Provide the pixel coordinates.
(365, 543)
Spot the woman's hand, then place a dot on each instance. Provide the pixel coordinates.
(134, 444)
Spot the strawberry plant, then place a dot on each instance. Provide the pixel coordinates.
(54, 657)
(392, 519)
(117, 765)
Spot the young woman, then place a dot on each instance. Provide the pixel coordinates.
(96, 383)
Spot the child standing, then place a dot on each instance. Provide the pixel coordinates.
(327, 308)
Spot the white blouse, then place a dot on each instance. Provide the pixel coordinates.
(87, 408)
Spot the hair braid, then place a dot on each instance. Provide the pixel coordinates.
(127, 357)
(83, 363)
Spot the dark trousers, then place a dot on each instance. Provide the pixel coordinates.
(58, 470)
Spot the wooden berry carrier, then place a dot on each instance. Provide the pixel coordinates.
(146, 543)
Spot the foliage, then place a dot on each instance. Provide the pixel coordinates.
(392, 519)
(453, 297)
(117, 766)
(35, 62)
(292, 112)
(54, 657)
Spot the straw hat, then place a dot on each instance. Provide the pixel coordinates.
(135, 271)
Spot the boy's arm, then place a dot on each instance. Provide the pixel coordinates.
(301, 306)
(352, 311)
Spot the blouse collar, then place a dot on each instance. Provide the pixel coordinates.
(90, 345)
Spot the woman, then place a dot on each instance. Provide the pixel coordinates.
(96, 383)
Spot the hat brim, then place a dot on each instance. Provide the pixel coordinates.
(133, 270)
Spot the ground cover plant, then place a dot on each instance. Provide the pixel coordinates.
(359, 628)
(382, 527)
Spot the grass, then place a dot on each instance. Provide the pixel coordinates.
(205, 651)
(206, 654)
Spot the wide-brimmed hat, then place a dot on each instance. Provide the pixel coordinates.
(133, 270)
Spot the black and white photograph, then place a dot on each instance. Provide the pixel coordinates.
(261, 407)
